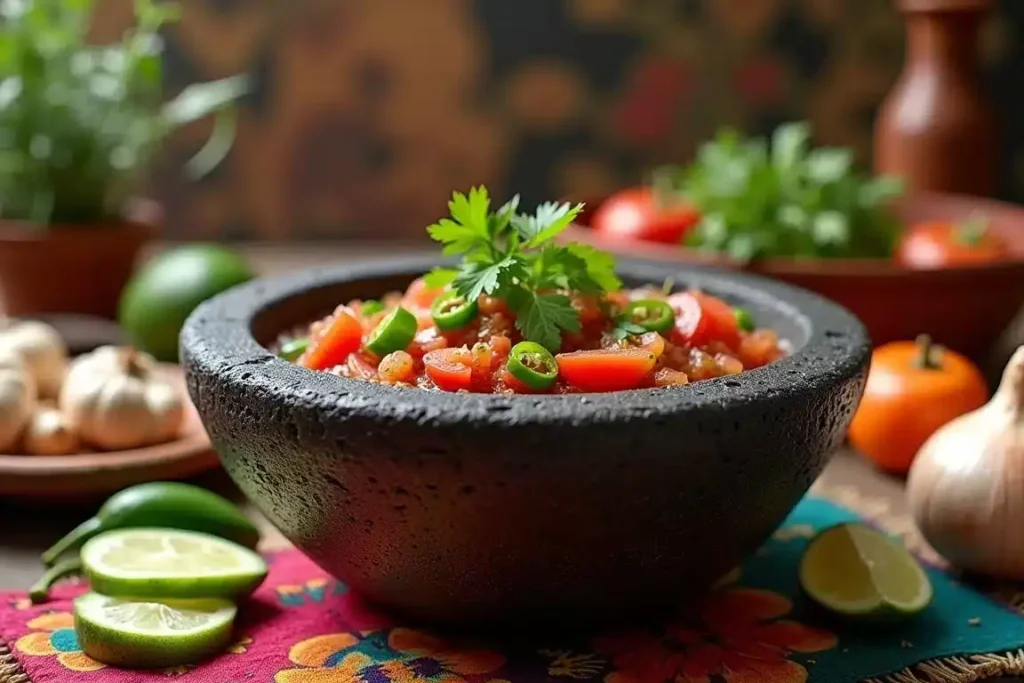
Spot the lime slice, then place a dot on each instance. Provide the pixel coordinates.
(137, 634)
(170, 563)
(857, 571)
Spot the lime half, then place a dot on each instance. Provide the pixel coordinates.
(169, 563)
(856, 571)
(137, 634)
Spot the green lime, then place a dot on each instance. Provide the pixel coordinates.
(161, 295)
(857, 571)
(170, 563)
(142, 635)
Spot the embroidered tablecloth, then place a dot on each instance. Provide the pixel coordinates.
(304, 627)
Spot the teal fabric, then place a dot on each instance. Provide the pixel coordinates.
(960, 621)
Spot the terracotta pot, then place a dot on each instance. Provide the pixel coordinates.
(68, 269)
(966, 308)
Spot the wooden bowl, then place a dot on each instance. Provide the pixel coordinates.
(93, 474)
(965, 308)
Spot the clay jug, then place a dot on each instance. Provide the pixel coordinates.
(937, 129)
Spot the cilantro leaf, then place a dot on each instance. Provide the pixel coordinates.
(470, 228)
(549, 220)
(440, 277)
(600, 265)
(543, 317)
(476, 279)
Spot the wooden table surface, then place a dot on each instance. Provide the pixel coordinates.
(31, 527)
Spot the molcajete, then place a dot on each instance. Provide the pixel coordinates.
(459, 508)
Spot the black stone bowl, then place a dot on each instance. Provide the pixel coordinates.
(466, 508)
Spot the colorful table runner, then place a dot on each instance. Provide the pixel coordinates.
(303, 627)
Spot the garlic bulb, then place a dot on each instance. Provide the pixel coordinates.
(966, 486)
(114, 399)
(17, 398)
(42, 349)
(48, 433)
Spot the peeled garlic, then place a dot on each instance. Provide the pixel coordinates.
(966, 486)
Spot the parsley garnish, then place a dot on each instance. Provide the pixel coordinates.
(512, 256)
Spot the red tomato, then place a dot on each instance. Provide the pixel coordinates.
(418, 295)
(343, 336)
(635, 214)
(942, 244)
(701, 318)
(606, 369)
(450, 369)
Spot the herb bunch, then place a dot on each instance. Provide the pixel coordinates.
(81, 123)
(781, 197)
(512, 256)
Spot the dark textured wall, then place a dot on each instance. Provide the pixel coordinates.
(367, 113)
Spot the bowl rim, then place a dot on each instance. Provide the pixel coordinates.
(819, 267)
(217, 341)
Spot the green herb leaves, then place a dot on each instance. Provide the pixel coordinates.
(511, 255)
(781, 197)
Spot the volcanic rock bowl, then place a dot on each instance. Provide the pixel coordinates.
(466, 508)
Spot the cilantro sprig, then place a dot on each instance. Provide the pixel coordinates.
(511, 255)
(783, 197)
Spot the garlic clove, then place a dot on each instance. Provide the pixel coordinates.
(48, 433)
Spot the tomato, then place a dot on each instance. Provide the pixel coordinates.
(634, 214)
(701, 319)
(942, 244)
(341, 337)
(450, 369)
(419, 295)
(397, 367)
(606, 369)
(913, 389)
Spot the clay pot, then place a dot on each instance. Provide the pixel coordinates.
(70, 269)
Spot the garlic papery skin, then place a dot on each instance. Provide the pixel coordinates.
(41, 348)
(48, 433)
(966, 487)
(17, 399)
(115, 399)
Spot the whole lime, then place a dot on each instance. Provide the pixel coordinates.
(166, 290)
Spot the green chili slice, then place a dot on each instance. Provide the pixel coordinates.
(451, 311)
(651, 314)
(371, 307)
(744, 319)
(393, 333)
(291, 350)
(533, 365)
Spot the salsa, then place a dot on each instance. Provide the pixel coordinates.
(523, 314)
(433, 338)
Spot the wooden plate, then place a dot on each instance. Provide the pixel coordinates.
(93, 474)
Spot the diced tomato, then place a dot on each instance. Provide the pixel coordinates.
(606, 369)
(758, 348)
(702, 318)
(397, 367)
(341, 337)
(728, 365)
(450, 369)
(419, 295)
(501, 346)
(667, 377)
(651, 341)
(361, 367)
(426, 341)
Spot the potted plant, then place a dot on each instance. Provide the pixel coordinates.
(79, 126)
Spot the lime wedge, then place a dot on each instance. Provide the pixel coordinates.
(170, 563)
(856, 571)
(142, 635)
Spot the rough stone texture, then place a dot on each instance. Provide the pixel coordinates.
(458, 508)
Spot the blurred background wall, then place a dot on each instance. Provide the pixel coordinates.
(365, 114)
